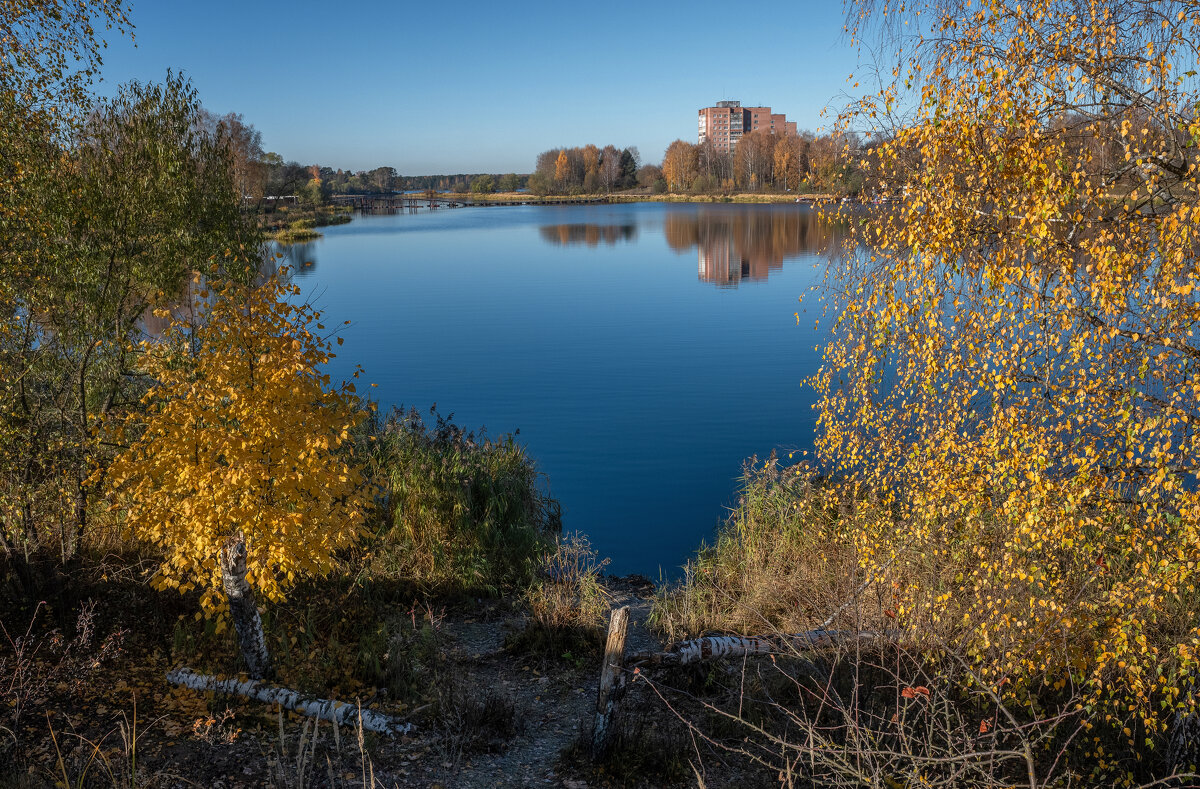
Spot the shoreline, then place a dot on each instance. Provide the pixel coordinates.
(520, 198)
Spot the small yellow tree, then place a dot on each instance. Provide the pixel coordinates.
(562, 167)
(242, 439)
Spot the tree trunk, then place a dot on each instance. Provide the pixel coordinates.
(242, 608)
(715, 647)
(1183, 748)
(611, 680)
(339, 712)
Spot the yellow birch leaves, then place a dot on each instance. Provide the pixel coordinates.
(241, 431)
(1014, 366)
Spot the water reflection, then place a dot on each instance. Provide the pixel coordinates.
(736, 244)
(300, 258)
(194, 297)
(587, 233)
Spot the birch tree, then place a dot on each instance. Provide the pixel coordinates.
(1014, 366)
(237, 468)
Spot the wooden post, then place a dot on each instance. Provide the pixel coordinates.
(611, 680)
(242, 608)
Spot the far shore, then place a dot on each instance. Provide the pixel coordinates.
(630, 197)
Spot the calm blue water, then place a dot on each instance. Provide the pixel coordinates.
(643, 351)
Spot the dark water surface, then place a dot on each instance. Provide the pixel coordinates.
(644, 351)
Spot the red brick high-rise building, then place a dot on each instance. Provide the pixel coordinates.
(726, 122)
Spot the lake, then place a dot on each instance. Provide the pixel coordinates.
(643, 351)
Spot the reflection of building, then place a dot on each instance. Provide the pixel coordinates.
(723, 264)
(736, 244)
(725, 123)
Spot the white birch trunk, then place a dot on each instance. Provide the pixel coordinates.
(339, 712)
(242, 608)
(697, 650)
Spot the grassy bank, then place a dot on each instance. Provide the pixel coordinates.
(460, 521)
(297, 224)
(975, 625)
(458, 511)
(780, 562)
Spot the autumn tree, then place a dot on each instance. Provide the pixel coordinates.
(786, 155)
(244, 145)
(753, 160)
(562, 167)
(237, 466)
(610, 167)
(1013, 366)
(650, 176)
(383, 179)
(716, 165)
(540, 184)
(591, 159)
(132, 198)
(283, 178)
(679, 165)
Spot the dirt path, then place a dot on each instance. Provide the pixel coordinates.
(554, 703)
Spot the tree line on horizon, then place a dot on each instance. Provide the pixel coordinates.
(762, 161)
(262, 175)
(588, 169)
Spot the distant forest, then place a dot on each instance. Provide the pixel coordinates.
(463, 182)
(259, 174)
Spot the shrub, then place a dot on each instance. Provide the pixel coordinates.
(995, 618)
(471, 720)
(777, 562)
(460, 511)
(402, 655)
(568, 606)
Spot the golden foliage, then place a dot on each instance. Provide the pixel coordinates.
(562, 166)
(1014, 366)
(241, 432)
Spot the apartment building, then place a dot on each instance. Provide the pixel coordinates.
(727, 121)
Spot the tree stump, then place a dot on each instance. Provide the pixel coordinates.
(611, 680)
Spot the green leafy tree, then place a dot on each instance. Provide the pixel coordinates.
(137, 196)
(630, 161)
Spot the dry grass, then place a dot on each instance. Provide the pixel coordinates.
(568, 605)
(779, 561)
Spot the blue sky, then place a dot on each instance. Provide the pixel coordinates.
(448, 87)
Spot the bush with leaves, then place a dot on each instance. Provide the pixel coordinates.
(461, 511)
(242, 432)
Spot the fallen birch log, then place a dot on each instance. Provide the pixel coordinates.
(339, 712)
(697, 650)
